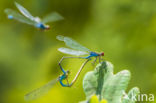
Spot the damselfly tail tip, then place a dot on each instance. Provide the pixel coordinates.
(10, 17)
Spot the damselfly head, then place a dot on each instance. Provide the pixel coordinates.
(102, 54)
(47, 27)
(68, 72)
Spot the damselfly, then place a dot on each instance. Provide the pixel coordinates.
(77, 49)
(27, 18)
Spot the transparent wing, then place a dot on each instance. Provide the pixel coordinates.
(40, 91)
(52, 17)
(72, 52)
(18, 16)
(71, 43)
(24, 11)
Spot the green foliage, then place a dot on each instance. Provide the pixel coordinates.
(107, 85)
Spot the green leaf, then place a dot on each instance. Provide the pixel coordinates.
(115, 85)
(93, 80)
(130, 98)
(105, 84)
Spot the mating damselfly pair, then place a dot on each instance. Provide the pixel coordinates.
(77, 50)
(74, 48)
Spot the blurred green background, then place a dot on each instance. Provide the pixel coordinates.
(124, 29)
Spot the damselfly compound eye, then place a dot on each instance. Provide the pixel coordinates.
(102, 54)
